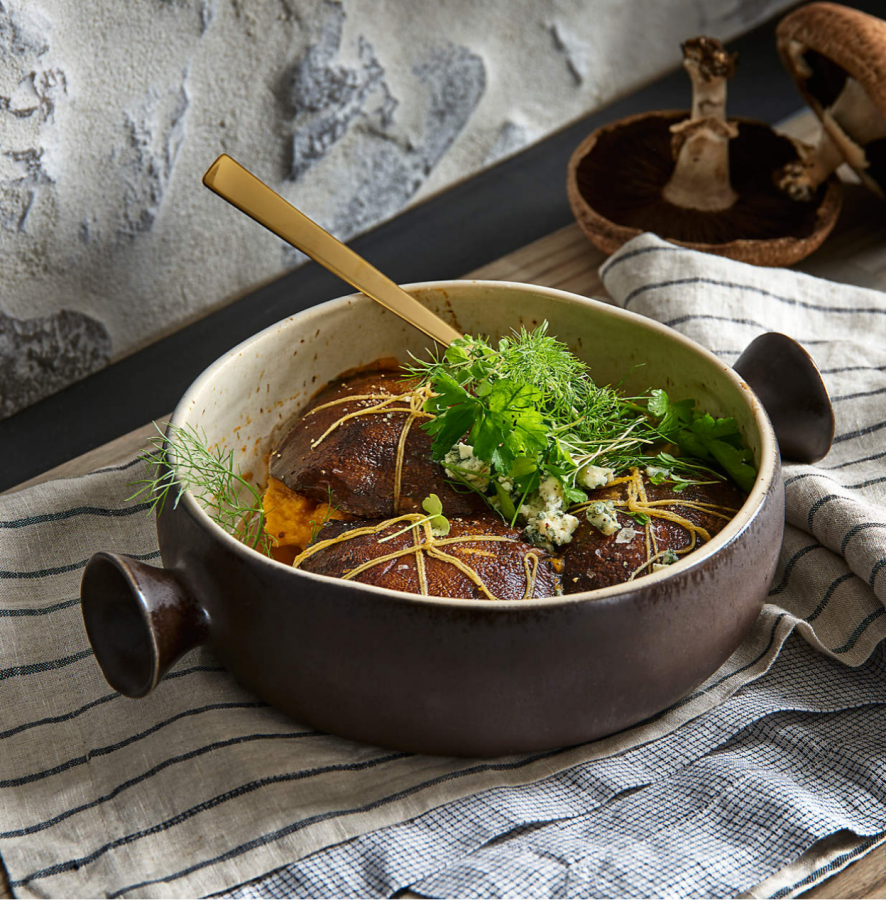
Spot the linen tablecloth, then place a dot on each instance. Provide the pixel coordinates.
(202, 789)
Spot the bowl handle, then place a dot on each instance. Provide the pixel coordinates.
(139, 620)
(789, 385)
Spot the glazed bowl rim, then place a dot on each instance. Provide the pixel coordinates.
(769, 460)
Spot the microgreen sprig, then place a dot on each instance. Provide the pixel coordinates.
(440, 526)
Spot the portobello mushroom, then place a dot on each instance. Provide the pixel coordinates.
(610, 546)
(479, 558)
(700, 180)
(836, 56)
(345, 449)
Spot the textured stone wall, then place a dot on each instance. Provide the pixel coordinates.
(110, 111)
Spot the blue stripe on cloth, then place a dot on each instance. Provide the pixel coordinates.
(856, 530)
(511, 821)
(789, 567)
(69, 567)
(822, 501)
(855, 462)
(160, 767)
(857, 395)
(841, 369)
(611, 264)
(120, 468)
(859, 432)
(101, 511)
(95, 752)
(753, 289)
(859, 631)
(73, 714)
(47, 665)
(849, 487)
(38, 610)
(828, 595)
(707, 317)
(875, 571)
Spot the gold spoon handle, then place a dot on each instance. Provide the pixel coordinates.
(242, 189)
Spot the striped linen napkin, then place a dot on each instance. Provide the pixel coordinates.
(201, 789)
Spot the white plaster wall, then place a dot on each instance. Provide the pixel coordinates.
(111, 110)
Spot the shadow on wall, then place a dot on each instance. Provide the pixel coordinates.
(327, 101)
(111, 111)
(41, 356)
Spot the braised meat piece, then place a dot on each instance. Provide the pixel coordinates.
(355, 463)
(506, 568)
(595, 559)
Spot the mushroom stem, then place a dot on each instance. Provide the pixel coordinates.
(800, 178)
(701, 143)
(852, 113)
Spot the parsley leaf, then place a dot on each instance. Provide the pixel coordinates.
(455, 412)
(703, 437)
(673, 415)
(505, 424)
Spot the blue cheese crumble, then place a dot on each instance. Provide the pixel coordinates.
(593, 477)
(547, 522)
(601, 514)
(461, 464)
(668, 558)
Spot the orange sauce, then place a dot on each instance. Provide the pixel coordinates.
(292, 519)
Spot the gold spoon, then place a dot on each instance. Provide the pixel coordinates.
(227, 178)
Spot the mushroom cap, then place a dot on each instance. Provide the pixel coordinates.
(505, 567)
(616, 175)
(834, 42)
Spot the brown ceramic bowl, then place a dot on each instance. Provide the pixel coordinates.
(423, 673)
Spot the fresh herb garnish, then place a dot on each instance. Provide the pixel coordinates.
(705, 438)
(504, 419)
(211, 475)
(529, 408)
(433, 506)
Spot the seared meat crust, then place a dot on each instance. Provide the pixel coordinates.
(355, 463)
(596, 560)
(500, 565)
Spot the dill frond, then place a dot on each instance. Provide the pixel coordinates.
(210, 474)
